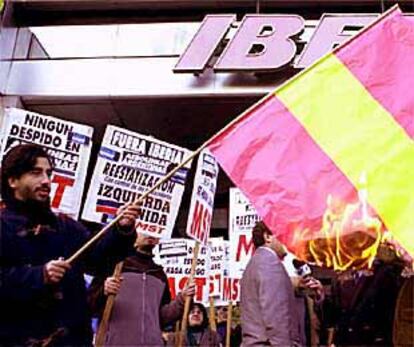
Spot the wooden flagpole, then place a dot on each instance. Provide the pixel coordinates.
(139, 200)
(212, 315)
(183, 331)
(177, 327)
(103, 325)
(229, 323)
(97, 236)
(177, 332)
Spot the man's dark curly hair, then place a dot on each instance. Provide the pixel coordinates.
(259, 231)
(15, 163)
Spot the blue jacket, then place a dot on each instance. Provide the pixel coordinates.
(31, 310)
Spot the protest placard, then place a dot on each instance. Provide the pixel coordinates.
(68, 144)
(242, 219)
(230, 287)
(128, 165)
(202, 198)
(218, 264)
(175, 256)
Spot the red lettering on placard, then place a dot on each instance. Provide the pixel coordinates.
(201, 223)
(244, 247)
(171, 285)
(142, 226)
(235, 289)
(62, 183)
(199, 282)
(231, 289)
(215, 283)
(226, 289)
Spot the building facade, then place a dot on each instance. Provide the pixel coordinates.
(162, 67)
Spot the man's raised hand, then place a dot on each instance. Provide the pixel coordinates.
(54, 271)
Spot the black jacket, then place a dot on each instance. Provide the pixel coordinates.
(31, 310)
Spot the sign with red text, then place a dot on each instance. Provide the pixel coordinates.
(128, 165)
(230, 287)
(242, 219)
(218, 265)
(202, 200)
(175, 256)
(68, 144)
(231, 290)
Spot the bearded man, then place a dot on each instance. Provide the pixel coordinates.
(42, 296)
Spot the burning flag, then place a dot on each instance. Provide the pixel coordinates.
(300, 153)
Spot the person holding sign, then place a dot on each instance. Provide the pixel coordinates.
(143, 303)
(198, 333)
(43, 296)
(268, 314)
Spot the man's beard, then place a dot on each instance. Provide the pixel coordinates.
(37, 212)
(42, 205)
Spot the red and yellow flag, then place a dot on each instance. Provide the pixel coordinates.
(330, 154)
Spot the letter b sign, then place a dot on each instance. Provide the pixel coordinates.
(262, 42)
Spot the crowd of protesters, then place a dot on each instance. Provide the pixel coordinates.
(44, 300)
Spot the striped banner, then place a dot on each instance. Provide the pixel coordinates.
(338, 134)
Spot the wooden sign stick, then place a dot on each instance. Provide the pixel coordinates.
(103, 326)
(188, 299)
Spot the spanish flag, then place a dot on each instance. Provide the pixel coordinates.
(336, 139)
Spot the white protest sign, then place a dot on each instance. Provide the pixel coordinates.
(217, 265)
(128, 165)
(68, 144)
(230, 287)
(202, 198)
(242, 219)
(222, 249)
(175, 256)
